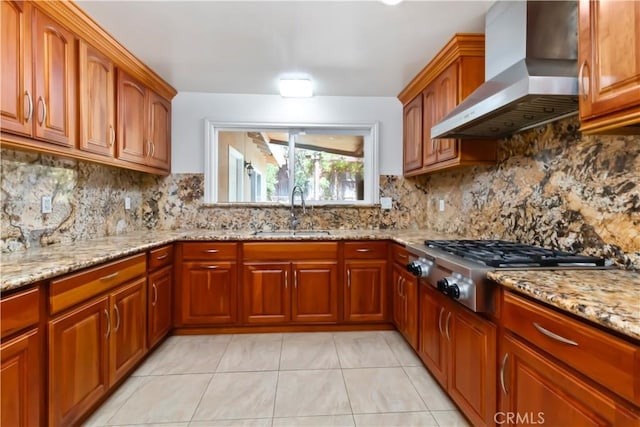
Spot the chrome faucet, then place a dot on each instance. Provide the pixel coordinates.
(293, 220)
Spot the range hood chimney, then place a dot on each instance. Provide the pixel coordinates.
(530, 70)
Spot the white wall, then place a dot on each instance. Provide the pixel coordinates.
(190, 108)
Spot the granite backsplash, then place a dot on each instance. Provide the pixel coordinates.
(550, 187)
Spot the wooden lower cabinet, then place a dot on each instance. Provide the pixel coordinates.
(459, 349)
(315, 292)
(265, 292)
(78, 360)
(21, 380)
(405, 303)
(365, 293)
(208, 292)
(159, 305)
(540, 391)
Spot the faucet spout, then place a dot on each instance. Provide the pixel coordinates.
(294, 221)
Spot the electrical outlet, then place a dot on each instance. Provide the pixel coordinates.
(127, 203)
(441, 205)
(386, 202)
(46, 205)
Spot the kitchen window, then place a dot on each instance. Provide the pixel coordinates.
(261, 163)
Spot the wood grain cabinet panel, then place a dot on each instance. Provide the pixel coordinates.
(432, 340)
(405, 303)
(209, 293)
(159, 132)
(412, 123)
(21, 380)
(315, 292)
(265, 293)
(160, 304)
(96, 82)
(609, 57)
(78, 360)
(132, 119)
(55, 81)
(365, 294)
(16, 87)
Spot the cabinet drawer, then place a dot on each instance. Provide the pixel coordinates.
(19, 311)
(400, 255)
(160, 257)
(76, 288)
(365, 250)
(290, 251)
(604, 358)
(209, 250)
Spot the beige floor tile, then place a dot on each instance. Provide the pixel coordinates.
(450, 419)
(401, 349)
(363, 350)
(381, 390)
(164, 399)
(117, 399)
(318, 421)
(156, 425)
(193, 354)
(238, 395)
(320, 392)
(398, 419)
(149, 364)
(252, 352)
(256, 422)
(309, 351)
(433, 396)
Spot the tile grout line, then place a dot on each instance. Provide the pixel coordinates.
(106, 423)
(344, 380)
(275, 394)
(416, 389)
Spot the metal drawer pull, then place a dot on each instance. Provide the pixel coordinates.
(106, 313)
(446, 326)
(30, 111)
(115, 307)
(403, 256)
(440, 320)
(155, 295)
(113, 136)
(110, 276)
(208, 267)
(210, 251)
(162, 257)
(502, 368)
(44, 110)
(295, 279)
(348, 278)
(286, 279)
(363, 250)
(554, 336)
(585, 92)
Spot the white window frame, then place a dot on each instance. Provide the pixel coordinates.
(371, 173)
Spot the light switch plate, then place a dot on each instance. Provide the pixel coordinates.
(386, 202)
(127, 203)
(441, 205)
(46, 205)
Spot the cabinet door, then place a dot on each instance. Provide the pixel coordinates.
(315, 292)
(78, 361)
(410, 293)
(16, 92)
(472, 366)
(609, 56)
(265, 293)
(132, 119)
(413, 135)
(20, 380)
(159, 322)
(366, 290)
(431, 343)
(55, 85)
(159, 132)
(447, 99)
(536, 387)
(209, 292)
(398, 300)
(128, 328)
(429, 118)
(96, 82)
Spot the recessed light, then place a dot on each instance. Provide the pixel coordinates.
(296, 88)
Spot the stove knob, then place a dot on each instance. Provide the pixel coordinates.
(443, 285)
(411, 268)
(453, 291)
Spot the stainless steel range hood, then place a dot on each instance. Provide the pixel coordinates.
(530, 70)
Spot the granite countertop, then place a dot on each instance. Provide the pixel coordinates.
(610, 298)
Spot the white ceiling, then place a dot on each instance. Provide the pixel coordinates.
(347, 48)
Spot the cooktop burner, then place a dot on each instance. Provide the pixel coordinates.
(501, 253)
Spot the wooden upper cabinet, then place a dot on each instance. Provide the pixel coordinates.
(412, 153)
(96, 82)
(159, 132)
(132, 119)
(16, 91)
(55, 81)
(446, 100)
(315, 292)
(609, 58)
(429, 118)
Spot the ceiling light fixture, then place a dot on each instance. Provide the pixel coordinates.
(391, 2)
(298, 88)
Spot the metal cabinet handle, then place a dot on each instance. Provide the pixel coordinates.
(115, 307)
(502, 369)
(106, 313)
(295, 279)
(286, 279)
(30, 110)
(446, 326)
(363, 250)
(44, 110)
(113, 136)
(403, 256)
(210, 251)
(153, 149)
(585, 91)
(349, 278)
(554, 336)
(208, 267)
(155, 294)
(148, 148)
(109, 277)
(161, 257)
(440, 321)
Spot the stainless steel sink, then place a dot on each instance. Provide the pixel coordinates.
(291, 233)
